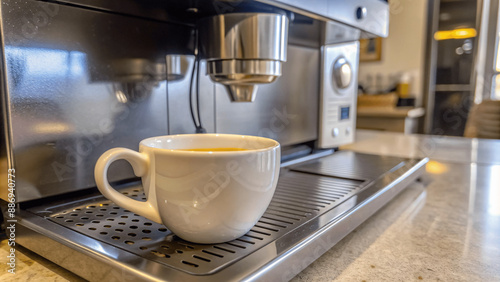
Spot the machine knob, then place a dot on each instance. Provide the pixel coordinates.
(342, 73)
(360, 13)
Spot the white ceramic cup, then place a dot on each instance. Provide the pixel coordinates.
(202, 197)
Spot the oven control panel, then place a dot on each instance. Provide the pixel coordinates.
(339, 87)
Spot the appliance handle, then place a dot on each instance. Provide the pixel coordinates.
(140, 164)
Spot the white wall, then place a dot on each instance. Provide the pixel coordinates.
(404, 49)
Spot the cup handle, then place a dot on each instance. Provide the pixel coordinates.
(140, 164)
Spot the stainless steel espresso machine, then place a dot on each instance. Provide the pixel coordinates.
(79, 77)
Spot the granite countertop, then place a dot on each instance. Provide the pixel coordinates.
(445, 227)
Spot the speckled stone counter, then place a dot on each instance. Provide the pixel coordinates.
(31, 267)
(447, 231)
(444, 228)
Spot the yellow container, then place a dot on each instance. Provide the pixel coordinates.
(403, 90)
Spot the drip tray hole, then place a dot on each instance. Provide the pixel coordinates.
(190, 263)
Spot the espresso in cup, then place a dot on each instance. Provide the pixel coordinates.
(214, 149)
(205, 188)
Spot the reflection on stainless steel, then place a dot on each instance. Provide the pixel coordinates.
(120, 96)
(177, 66)
(179, 119)
(286, 110)
(240, 76)
(415, 208)
(245, 36)
(243, 49)
(299, 224)
(133, 91)
(65, 106)
(52, 128)
(241, 92)
(134, 78)
(137, 70)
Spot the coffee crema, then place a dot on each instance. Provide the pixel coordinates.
(213, 149)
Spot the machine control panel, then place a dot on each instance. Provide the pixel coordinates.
(338, 94)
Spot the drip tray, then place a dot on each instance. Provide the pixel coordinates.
(315, 204)
(291, 206)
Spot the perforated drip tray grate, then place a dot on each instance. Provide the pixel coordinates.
(313, 208)
(291, 206)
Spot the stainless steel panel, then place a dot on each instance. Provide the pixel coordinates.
(285, 110)
(374, 14)
(375, 20)
(312, 33)
(179, 117)
(67, 103)
(307, 212)
(246, 36)
(318, 7)
(338, 33)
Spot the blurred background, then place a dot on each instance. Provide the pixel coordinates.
(436, 73)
